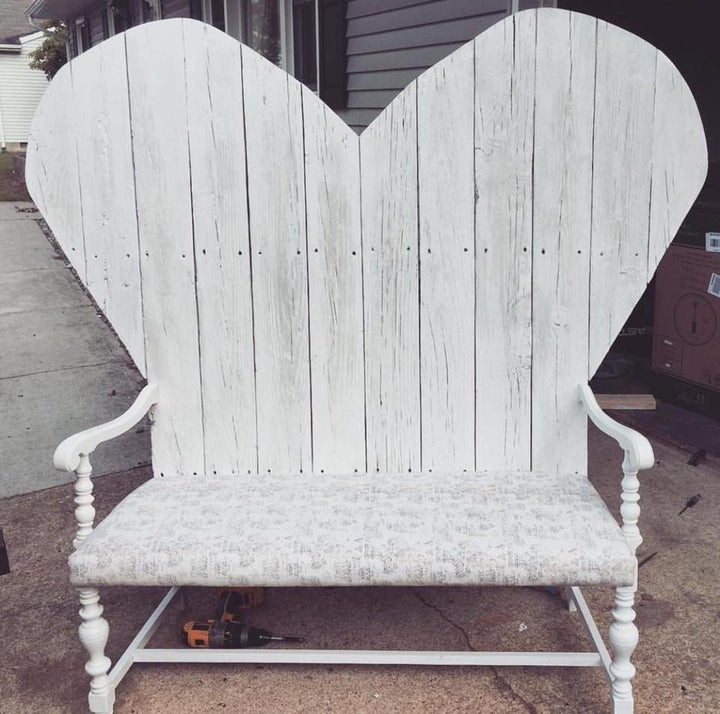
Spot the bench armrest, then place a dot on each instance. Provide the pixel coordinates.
(637, 448)
(67, 455)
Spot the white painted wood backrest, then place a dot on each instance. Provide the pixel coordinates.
(425, 296)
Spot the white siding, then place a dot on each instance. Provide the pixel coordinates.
(20, 91)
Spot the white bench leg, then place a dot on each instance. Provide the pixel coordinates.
(623, 638)
(94, 631)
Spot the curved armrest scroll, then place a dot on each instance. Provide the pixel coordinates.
(636, 446)
(67, 455)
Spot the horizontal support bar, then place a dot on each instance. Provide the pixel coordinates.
(302, 656)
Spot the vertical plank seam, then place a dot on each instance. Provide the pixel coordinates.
(648, 271)
(307, 275)
(137, 214)
(532, 241)
(362, 300)
(592, 205)
(475, 254)
(250, 258)
(419, 271)
(79, 185)
(194, 249)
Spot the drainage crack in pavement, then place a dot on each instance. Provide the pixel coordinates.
(445, 617)
(506, 688)
(500, 682)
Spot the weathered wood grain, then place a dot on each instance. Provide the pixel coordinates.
(504, 105)
(390, 262)
(315, 301)
(334, 250)
(679, 158)
(447, 256)
(274, 144)
(222, 259)
(561, 227)
(164, 212)
(52, 168)
(107, 185)
(622, 163)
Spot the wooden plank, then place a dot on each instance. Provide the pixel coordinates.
(626, 401)
(52, 168)
(100, 97)
(503, 242)
(164, 208)
(438, 33)
(274, 144)
(332, 184)
(220, 222)
(390, 275)
(447, 256)
(679, 158)
(564, 97)
(622, 156)
(434, 12)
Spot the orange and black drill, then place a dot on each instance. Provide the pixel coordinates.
(214, 634)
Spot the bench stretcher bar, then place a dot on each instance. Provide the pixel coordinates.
(136, 651)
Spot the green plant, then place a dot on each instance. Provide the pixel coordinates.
(50, 55)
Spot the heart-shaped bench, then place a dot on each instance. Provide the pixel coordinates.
(379, 345)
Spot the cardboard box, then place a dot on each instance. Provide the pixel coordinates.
(686, 344)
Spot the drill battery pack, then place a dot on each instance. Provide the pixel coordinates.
(232, 601)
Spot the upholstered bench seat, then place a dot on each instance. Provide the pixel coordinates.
(358, 529)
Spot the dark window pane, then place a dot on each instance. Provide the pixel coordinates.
(218, 14)
(262, 28)
(333, 77)
(304, 42)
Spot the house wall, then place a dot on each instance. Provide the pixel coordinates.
(20, 91)
(94, 18)
(391, 42)
(175, 8)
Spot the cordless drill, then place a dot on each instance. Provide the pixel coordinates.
(214, 634)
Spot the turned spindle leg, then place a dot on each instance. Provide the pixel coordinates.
(93, 633)
(623, 632)
(94, 628)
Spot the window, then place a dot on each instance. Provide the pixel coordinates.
(82, 35)
(319, 48)
(122, 16)
(211, 11)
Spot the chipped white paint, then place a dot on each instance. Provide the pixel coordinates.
(561, 237)
(401, 355)
(390, 262)
(334, 250)
(52, 170)
(315, 300)
(621, 182)
(503, 243)
(276, 195)
(221, 248)
(679, 158)
(447, 262)
(105, 165)
(164, 212)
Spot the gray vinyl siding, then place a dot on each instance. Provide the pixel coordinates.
(391, 42)
(94, 17)
(175, 8)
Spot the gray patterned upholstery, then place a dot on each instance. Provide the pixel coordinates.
(359, 529)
